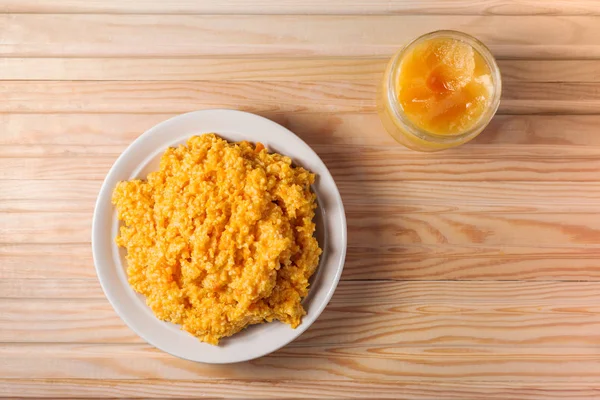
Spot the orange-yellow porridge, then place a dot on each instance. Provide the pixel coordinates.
(220, 237)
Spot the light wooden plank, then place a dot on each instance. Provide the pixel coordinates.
(494, 7)
(68, 320)
(62, 150)
(392, 163)
(40, 227)
(553, 130)
(431, 262)
(388, 193)
(102, 133)
(367, 261)
(175, 97)
(577, 195)
(419, 389)
(55, 169)
(77, 191)
(480, 149)
(37, 35)
(289, 96)
(397, 227)
(244, 69)
(459, 193)
(68, 261)
(550, 70)
(373, 363)
(547, 295)
(356, 163)
(361, 313)
(355, 202)
(45, 206)
(51, 288)
(386, 226)
(70, 207)
(264, 69)
(77, 129)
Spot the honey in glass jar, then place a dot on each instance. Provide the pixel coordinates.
(440, 91)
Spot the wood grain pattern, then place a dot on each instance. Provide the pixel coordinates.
(430, 262)
(101, 132)
(476, 150)
(234, 389)
(471, 273)
(387, 226)
(337, 7)
(368, 261)
(358, 293)
(259, 96)
(363, 164)
(264, 69)
(318, 363)
(372, 313)
(502, 196)
(101, 35)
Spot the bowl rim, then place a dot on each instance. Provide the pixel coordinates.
(104, 210)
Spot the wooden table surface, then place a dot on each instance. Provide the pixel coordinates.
(471, 273)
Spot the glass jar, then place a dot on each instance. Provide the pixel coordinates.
(398, 124)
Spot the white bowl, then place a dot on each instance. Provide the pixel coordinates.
(142, 157)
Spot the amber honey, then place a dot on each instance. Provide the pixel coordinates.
(439, 91)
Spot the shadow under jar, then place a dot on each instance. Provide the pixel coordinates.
(439, 91)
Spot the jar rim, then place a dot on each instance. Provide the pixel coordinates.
(398, 112)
